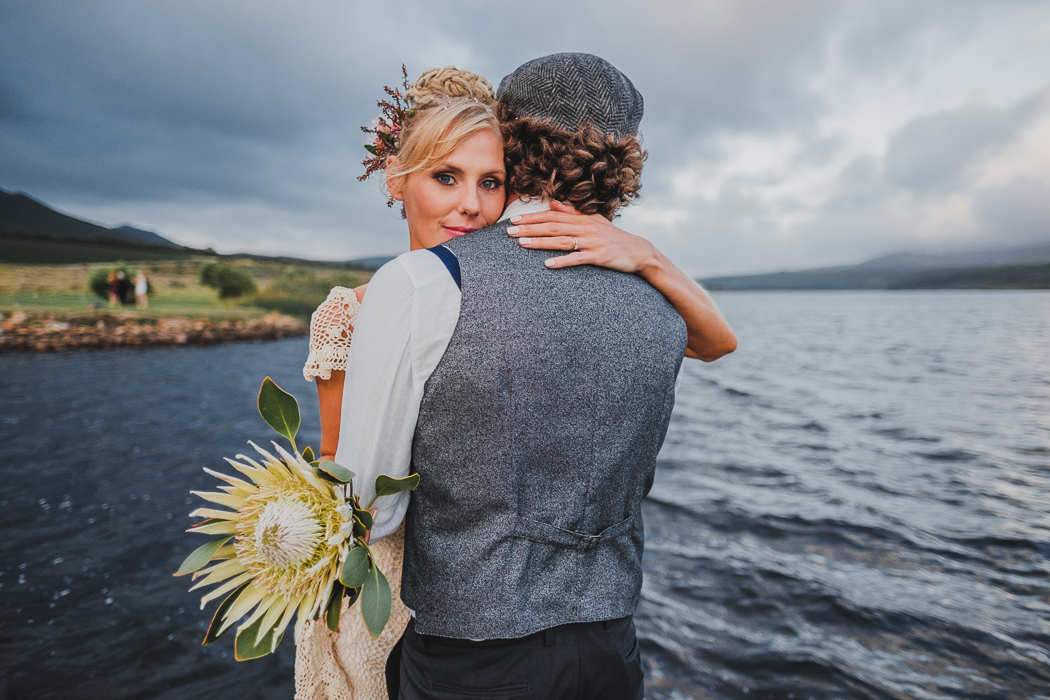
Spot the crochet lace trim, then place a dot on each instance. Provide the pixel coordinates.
(331, 327)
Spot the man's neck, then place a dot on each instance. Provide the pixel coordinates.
(526, 205)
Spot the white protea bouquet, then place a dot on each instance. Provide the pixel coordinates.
(294, 540)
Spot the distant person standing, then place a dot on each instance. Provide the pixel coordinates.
(123, 288)
(114, 288)
(141, 290)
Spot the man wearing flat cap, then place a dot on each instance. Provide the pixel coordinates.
(539, 426)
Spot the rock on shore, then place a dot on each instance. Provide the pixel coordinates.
(48, 333)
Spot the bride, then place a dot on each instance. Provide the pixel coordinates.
(447, 171)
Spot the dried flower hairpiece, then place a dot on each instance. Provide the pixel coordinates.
(387, 129)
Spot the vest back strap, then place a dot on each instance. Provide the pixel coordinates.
(450, 261)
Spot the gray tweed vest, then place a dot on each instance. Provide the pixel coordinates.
(536, 442)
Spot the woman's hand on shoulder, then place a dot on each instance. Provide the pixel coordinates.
(360, 292)
(596, 239)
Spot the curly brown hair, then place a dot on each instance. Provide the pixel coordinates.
(588, 169)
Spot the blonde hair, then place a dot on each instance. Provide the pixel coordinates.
(437, 84)
(448, 107)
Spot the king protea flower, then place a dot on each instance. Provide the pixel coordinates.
(281, 560)
(293, 525)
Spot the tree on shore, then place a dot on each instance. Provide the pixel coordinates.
(230, 281)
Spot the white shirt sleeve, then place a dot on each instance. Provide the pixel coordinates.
(406, 320)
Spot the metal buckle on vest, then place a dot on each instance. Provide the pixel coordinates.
(591, 542)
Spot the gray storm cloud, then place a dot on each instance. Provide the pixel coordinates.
(934, 153)
(779, 134)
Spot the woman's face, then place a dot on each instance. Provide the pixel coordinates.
(460, 194)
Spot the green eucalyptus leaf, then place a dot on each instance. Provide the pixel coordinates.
(201, 556)
(245, 647)
(220, 612)
(353, 594)
(308, 454)
(359, 528)
(365, 517)
(388, 485)
(334, 608)
(279, 409)
(375, 602)
(337, 472)
(355, 568)
(317, 472)
(325, 477)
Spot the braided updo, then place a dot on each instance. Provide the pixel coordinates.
(437, 85)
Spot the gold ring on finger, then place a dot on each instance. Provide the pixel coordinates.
(575, 244)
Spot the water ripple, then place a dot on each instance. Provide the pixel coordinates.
(856, 503)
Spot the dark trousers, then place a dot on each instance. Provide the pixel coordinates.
(592, 660)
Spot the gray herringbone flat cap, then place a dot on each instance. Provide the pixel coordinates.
(572, 89)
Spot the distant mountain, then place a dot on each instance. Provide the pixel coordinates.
(22, 216)
(147, 237)
(32, 233)
(1012, 268)
(1028, 255)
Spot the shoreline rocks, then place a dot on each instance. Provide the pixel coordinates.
(41, 332)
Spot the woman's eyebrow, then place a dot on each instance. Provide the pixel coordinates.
(455, 169)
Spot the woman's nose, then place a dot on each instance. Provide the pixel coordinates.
(469, 203)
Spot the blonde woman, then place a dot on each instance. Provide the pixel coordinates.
(447, 170)
(448, 173)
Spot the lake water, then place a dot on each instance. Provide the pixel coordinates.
(856, 504)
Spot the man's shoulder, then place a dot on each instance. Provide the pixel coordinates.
(418, 268)
(482, 237)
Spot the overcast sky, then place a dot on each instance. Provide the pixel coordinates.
(781, 135)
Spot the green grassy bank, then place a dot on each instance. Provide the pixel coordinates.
(62, 289)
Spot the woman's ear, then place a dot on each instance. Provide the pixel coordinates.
(394, 185)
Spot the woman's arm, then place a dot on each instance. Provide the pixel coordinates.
(600, 243)
(330, 400)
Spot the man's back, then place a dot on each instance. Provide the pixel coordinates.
(536, 441)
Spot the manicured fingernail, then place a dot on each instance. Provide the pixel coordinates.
(512, 229)
(515, 219)
(524, 241)
(549, 263)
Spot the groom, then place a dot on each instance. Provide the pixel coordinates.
(540, 398)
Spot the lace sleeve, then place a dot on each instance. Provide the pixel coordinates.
(331, 326)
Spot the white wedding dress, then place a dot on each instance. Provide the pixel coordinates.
(348, 664)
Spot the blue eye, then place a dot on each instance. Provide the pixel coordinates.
(491, 184)
(445, 179)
